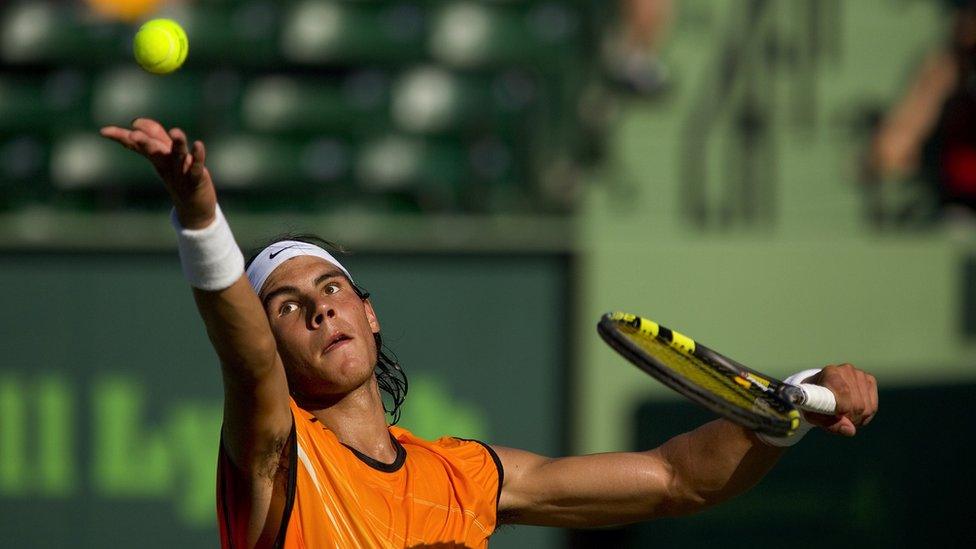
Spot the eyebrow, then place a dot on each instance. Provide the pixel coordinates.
(293, 290)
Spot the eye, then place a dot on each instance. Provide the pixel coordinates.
(287, 307)
(332, 287)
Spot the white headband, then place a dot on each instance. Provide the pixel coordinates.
(274, 255)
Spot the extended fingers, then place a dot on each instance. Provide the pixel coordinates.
(119, 135)
(179, 141)
(153, 129)
(148, 145)
(136, 140)
(199, 158)
(181, 156)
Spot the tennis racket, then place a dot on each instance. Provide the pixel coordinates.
(749, 398)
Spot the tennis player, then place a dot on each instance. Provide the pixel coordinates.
(307, 458)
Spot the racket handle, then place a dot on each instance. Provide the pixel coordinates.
(814, 398)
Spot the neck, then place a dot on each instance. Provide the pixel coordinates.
(358, 420)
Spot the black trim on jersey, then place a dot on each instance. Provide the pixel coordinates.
(401, 458)
(498, 465)
(290, 489)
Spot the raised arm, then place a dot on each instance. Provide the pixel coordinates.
(257, 420)
(686, 474)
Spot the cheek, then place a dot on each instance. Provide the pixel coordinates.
(289, 344)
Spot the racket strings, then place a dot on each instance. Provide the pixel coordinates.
(696, 371)
(702, 375)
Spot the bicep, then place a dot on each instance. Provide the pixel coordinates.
(584, 491)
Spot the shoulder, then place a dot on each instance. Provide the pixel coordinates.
(309, 429)
(474, 458)
(457, 447)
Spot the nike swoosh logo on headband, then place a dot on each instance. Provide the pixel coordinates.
(273, 254)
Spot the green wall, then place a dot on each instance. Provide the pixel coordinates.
(110, 398)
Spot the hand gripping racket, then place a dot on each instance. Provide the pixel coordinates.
(749, 398)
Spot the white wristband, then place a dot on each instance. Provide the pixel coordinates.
(805, 425)
(210, 257)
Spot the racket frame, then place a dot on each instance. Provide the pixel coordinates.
(770, 392)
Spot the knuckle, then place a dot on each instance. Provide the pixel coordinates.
(841, 388)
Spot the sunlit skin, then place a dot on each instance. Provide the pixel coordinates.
(325, 337)
(309, 303)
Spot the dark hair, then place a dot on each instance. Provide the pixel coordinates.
(389, 375)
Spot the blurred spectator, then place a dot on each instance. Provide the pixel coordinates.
(633, 53)
(124, 10)
(931, 131)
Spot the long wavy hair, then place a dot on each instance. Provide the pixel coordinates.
(390, 377)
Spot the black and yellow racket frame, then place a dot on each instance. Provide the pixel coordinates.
(751, 399)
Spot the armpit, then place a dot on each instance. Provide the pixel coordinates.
(275, 459)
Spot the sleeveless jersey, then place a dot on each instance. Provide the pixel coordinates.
(443, 492)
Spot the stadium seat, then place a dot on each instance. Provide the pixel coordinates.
(238, 34)
(328, 32)
(22, 159)
(46, 105)
(302, 167)
(431, 104)
(85, 160)
(348, 105)
(432, 99)
(50, 33)
(429, 170)
(124, 93)
(473, 34)
(23, 167)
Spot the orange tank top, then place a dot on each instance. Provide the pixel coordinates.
(441, 492)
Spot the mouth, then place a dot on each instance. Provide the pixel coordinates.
(337, 340)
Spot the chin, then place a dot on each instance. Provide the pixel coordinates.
(347, 372)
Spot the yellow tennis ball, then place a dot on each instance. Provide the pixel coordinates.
(161, 46)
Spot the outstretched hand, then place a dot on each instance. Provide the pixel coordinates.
(856, 393)
(183, 170)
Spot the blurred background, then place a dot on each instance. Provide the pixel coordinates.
(792, 182)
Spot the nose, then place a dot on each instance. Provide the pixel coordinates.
(319, 314)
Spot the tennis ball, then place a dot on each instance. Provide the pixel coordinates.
(160, 46)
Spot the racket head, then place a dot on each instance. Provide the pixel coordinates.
(704, 376)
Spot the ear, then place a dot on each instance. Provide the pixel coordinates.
(374, 322)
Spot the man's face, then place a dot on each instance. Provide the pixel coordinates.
(323, 329)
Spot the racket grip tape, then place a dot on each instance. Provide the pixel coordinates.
(816, 399)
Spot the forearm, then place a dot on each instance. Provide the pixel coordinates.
(901, 134)
(233, 314)
(684, 475)
(713, 463)
(238, 329)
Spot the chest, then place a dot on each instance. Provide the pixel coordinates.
(423, 501)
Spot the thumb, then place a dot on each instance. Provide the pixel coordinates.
(839, 425)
